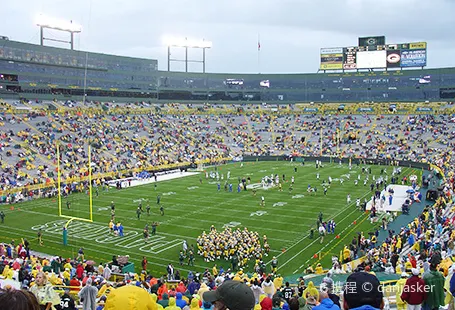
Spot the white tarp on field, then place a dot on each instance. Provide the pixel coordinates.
(399, 196)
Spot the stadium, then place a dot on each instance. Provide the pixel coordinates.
(117, 175)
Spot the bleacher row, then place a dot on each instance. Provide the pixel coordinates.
(122, 140)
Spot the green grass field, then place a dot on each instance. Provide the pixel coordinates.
(191, 207)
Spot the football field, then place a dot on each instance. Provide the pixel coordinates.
(191, 208)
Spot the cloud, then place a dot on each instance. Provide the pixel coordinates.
(291, 31)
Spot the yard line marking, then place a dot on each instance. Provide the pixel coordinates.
(51, 239)
(342, 220)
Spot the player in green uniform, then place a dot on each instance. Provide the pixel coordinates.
(274, 264)
(191, 258)
(154, 224)
(40, 237)
(181, 258)
(138, 213)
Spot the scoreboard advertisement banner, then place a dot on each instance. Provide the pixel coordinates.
(414, 58)
(375, 57)
(331, 59)
(393, 59)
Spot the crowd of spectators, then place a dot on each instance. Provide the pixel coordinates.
(421, 253)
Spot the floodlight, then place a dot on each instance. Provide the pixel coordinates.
(185, 42)
(170, 41)
(52, 23)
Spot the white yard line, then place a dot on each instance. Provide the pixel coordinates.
(342, 220)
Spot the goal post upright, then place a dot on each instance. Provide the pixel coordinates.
(59, 188)
(90, 182)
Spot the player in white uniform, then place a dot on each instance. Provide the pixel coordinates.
(348, 199)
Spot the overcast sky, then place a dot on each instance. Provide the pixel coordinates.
(291, 31)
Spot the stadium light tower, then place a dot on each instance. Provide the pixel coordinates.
(186, 44)
(45, 22)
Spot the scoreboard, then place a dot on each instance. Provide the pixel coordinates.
(375, 56)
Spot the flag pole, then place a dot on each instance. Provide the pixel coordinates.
(259, 54)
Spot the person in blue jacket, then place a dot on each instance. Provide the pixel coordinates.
(179, 302)
(326, 302)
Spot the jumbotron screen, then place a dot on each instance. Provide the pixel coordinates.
(374, 57)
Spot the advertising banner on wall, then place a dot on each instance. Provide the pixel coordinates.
(331, 59)
(414, 58)
(393, 59)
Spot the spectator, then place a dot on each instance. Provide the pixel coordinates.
(164, 302)
(155, 298)
(172, 305)
(194, 304)
(233, 295)
(435, 296)
(88, 295)
(11, 299)
(206, 305)
(179, 301)
(202, 290)
(414, 293)
(268, 287)
(44, 292)
(75, 284)
(266, 303)
(325, 302)
(66, 301)
(130, 297)
(294, 303)
(399, 288)
(362, 292)
(327, 286)
(257, 290)
(181, 288)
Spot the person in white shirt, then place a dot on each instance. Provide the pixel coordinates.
(322, 232)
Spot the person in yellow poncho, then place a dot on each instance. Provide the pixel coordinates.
(449, 300)
(278, 281)
(172, 305)
(54, 280)
(8, 273)
(155, 297)
(319, 269)
(67, 274)
(346, 254)
(311, 290)
(106, 289)
(202, 289)
(398, 289)
(398, 245)
(130, 297)
(194, 304)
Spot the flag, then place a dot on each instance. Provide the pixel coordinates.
(259, 45)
